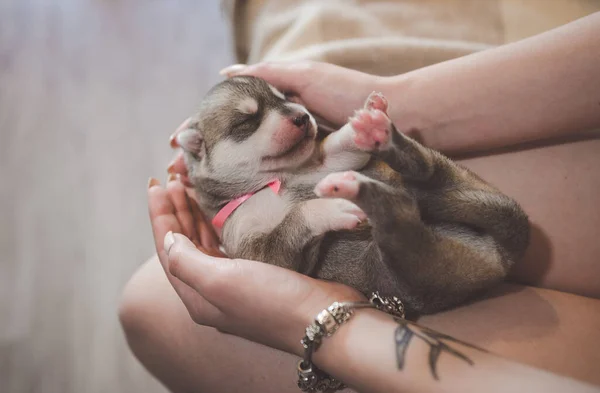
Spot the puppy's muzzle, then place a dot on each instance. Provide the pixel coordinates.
(302, 121)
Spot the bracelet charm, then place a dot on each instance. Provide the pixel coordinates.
(326, 323)
(313, 380)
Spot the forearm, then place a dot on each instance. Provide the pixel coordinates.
(366, 353)
(542, 87)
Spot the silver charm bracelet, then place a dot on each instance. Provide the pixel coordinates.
(327, 322)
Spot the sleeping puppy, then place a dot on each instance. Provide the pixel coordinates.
(364, 205)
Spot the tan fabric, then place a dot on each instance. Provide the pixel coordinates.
(386, 37)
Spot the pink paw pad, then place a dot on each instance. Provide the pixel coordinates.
(377, 101)
(372, 129)
(338, 185)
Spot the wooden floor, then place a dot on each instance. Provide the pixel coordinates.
(89, 92)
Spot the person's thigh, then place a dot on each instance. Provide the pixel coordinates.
(547, 329)
(187, 357)
(559, 188)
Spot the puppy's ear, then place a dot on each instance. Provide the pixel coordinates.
(191, 141)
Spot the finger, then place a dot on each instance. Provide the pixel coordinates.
(286, 76)
(162, 213)
(177, 166)
(183, 209)
(193, 267)
(204, 230)
(163, 220)
(208, 237)
(201, 310)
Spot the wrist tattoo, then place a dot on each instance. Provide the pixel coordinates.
(404, 334)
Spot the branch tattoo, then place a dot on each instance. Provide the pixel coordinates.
(406, 332)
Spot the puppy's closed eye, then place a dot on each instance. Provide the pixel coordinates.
(241, 119)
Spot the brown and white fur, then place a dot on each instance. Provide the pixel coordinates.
(365, 205)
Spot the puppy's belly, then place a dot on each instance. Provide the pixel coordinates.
(352, 258)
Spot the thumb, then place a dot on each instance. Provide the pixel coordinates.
(189, 264)
(285, 76)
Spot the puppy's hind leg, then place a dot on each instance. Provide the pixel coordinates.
(435, 267)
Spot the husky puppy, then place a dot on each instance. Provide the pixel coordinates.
(365, 205)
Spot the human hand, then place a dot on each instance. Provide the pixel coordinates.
(254, 300)
(172, 206)
(330, 92)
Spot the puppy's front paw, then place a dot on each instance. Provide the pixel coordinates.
(339, 185)
(324, 215)
(372, 130)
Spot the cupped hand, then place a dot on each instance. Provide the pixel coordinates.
(254, 300)
(331, 92)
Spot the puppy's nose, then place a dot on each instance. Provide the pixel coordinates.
(300, 120)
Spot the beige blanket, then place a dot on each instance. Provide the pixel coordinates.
(388, 37)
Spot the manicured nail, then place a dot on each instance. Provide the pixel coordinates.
(171, 177)
(232, 70)
(173, 141)
(168, 242)
(153, 182)
(171, 167)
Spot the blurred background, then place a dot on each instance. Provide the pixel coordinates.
(89, 92)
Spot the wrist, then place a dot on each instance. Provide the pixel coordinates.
(307, 310)
(335, 347)
(327, 323)
(354, 355)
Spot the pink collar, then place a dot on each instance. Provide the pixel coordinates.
(219, 220)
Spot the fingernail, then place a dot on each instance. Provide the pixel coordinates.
(232, 69)
(173, 141)
(171, 177)
(168, 242)
(171, 167)
(153, 182)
